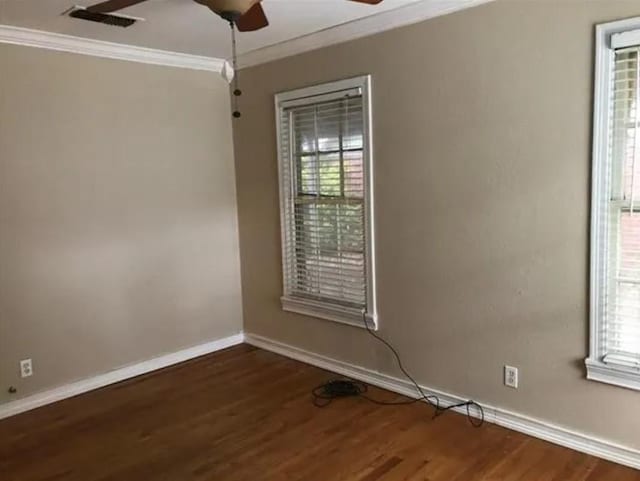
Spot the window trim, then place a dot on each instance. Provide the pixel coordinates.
(309, 307)
(606, 35)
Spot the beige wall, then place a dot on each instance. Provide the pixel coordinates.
(118, 230)
(482, 163)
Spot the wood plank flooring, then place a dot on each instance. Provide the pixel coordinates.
(246, 414)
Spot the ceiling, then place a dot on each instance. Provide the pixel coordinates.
(187, 27)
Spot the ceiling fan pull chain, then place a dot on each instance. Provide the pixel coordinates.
(236, 91)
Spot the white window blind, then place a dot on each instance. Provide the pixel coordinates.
(325, 191)
(622, 322)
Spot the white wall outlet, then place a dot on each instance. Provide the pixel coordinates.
(26, 368)
(511, 376)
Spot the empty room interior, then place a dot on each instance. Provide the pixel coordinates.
(320, 240)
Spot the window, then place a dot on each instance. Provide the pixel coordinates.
(615, 218)
(324, 152)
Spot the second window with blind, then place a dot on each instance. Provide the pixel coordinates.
(615, 222)
(326, 194)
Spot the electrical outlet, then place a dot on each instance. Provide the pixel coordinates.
(26, 368)
(511, 377)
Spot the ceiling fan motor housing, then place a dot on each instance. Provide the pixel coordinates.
(229, 9)
(230, 16)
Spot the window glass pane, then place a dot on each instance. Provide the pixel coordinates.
(307, 179)
(320, 174)
(623, 333)
(304, 129)
(353, 174)
(330, 119)
(330, 174)
(629, 257)
(353, 134)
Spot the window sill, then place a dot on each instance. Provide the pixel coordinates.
(343, 315)
(612, 374)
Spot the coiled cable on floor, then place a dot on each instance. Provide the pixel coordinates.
(324, 394)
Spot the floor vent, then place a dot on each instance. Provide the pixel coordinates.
(105, 18)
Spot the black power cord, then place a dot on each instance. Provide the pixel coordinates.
(339, 388)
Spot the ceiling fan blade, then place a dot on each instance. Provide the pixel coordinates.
(112, 5)
(254, 19)
(370, 2)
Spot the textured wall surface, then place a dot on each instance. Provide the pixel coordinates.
(118, 224)
(482, 134)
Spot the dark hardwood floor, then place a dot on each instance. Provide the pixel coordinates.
(246, 414)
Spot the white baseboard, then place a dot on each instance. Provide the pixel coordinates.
(69, 390)
(518, 422)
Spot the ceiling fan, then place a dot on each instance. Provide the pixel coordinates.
(247, 15)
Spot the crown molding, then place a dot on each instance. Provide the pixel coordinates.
(362, 27)
(98, 48)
